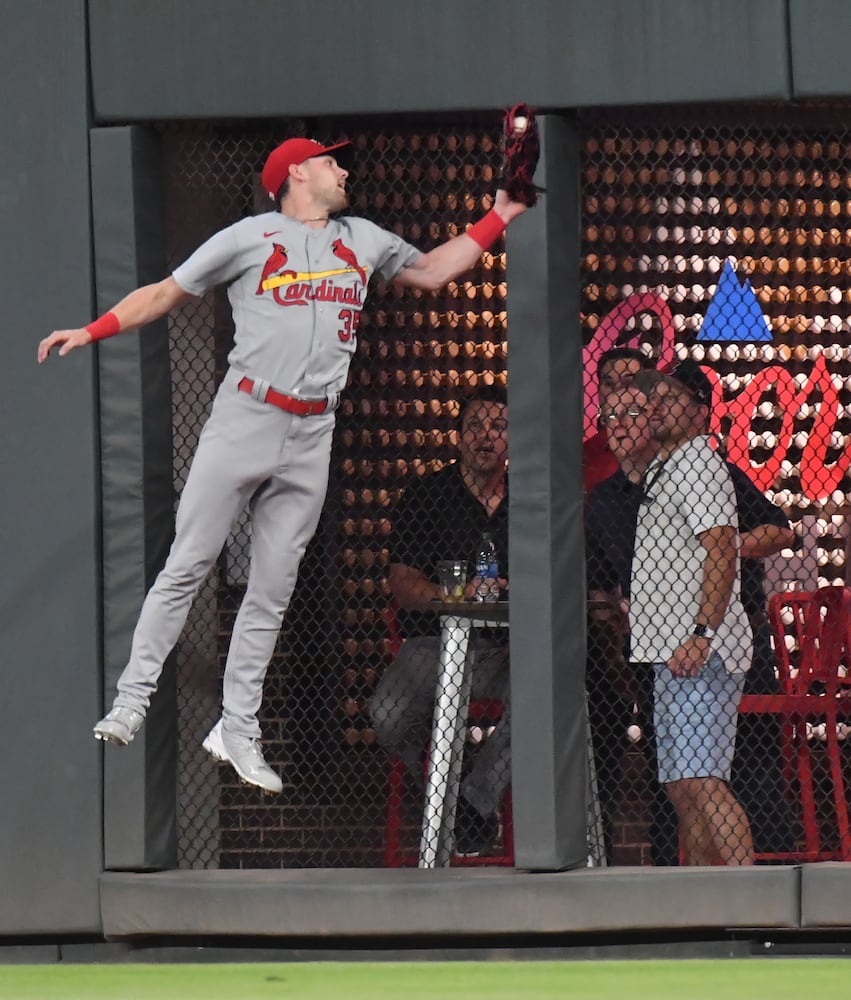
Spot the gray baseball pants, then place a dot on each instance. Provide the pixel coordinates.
(402, 707)
(249, 453)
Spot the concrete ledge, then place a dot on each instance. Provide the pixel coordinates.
(381, 902)
(826, 894)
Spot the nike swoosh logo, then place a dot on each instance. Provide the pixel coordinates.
(273, 233)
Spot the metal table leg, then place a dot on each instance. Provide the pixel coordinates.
(447, 742)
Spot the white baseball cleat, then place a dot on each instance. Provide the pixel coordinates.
(245, 757)
(119, 726)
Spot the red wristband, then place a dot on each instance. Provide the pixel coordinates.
(487, 230)
(104, 326)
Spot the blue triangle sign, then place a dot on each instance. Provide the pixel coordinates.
(734, 313)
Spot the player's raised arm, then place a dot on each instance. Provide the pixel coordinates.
(142, 306)
(434, 269)
(517, 192)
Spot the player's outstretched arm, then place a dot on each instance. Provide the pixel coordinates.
(517, 192)
(142, 306)
(434, 269)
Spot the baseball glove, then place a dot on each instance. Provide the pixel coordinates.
(522, 149)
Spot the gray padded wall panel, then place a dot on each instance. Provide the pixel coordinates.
(825, 894)
(819, 38)
(50, 840)
(546, 543)
(215, 58)
(450, 901)
(138, 495)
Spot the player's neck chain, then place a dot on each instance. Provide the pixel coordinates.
(315, 218)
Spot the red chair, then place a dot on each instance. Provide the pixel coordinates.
(481, 712)
(823, 680)
(816, 692)
(787, 615)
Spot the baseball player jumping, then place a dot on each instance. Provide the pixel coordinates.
(297, 278)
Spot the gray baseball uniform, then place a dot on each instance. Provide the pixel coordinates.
(296, 294)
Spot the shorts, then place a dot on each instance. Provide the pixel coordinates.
(696, 720)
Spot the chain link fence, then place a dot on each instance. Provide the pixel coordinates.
(716, 235)
(418, 355)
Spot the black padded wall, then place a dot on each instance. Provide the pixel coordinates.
(547, 553)
(138, 496)
(50, 833)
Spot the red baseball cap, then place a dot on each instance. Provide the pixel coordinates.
(291, 152)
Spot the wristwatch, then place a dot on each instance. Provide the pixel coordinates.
(703, 632)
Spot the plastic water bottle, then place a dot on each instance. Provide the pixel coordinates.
(487, 569)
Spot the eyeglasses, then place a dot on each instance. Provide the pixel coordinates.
(616, 416)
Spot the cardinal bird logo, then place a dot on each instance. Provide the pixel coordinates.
(273, 265)
(347, 256)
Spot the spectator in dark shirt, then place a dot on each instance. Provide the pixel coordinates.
(443, 516)
(615, 371)
(610, 521)
(607, 681)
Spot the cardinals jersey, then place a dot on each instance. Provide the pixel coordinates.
(296, 294)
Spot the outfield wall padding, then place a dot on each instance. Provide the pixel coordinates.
(546, 541)
(382, 56)
(449, 901)
(50, 831)
(140, 781)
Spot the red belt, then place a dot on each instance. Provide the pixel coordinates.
(301, 407)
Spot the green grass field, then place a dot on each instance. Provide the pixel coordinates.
(749, 979)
